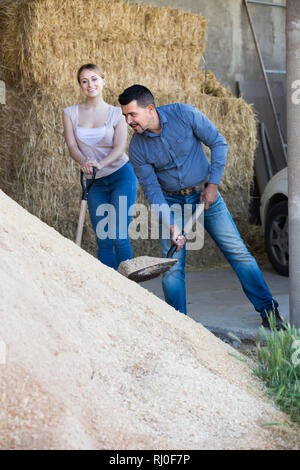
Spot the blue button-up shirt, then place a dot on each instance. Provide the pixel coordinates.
(175, 158)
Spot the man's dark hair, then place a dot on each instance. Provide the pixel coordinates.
(140, 93)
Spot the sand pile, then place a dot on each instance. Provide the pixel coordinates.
(94, 361)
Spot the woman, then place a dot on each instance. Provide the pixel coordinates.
(96, 135)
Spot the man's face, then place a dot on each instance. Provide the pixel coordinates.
(137, 117)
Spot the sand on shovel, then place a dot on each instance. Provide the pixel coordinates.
(143, 268)
(91, 360)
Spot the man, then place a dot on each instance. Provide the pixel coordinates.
(168, 158)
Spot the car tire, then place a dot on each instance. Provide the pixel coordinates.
(277, 237)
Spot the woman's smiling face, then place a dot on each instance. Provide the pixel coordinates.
(91, 83)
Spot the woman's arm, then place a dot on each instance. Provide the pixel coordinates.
(120, 139)
(70, 140)
(75, 153)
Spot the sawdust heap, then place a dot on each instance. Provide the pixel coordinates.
(94, 361)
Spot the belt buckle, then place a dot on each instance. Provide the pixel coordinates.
(190, 191)
(185, 191)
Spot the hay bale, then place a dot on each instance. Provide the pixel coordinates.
(9, 37)
(122, 37)
(13, 115)
(211, 86)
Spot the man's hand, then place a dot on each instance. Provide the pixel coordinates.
(176, 237)
(209, 195)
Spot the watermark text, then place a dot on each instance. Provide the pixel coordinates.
(296, 94)
(149, 222)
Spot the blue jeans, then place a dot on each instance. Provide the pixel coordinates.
(221, 227)
(109, 199)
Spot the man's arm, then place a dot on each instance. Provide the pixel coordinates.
(207, 133)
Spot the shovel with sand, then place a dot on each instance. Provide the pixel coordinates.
(144, 268)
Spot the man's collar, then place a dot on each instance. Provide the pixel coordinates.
(162, 118)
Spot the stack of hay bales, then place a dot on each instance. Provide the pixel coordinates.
(43, 44)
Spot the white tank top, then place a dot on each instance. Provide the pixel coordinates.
(97, 143)
(90, 135)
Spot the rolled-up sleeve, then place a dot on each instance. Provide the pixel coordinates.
(207, 133)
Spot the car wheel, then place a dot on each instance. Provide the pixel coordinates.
(277, 237)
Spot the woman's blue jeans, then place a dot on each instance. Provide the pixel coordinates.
(109, 201)
(221, 227)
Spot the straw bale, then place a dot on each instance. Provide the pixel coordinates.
(166, 44)
(12, 115)
(211, 86)
(9, 41)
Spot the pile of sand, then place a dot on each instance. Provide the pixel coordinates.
(94, 361)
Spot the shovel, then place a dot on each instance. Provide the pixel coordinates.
(144, 268)
(188, 226)
(85, 192)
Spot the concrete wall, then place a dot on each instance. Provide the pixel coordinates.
(230, 52)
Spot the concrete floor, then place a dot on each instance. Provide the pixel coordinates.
(215, 299)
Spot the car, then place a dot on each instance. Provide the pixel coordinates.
(274, 219)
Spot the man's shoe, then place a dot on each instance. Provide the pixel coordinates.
(272, 319)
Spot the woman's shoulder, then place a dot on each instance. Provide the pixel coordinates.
(115, 114)
(70, 110)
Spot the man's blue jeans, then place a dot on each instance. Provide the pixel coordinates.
(113, 195)
(221, 227)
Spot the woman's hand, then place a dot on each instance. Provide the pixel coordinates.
(87, 167)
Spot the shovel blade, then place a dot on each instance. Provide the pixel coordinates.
(145, 268)
(151, 272)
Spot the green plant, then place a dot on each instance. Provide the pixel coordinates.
(278, 364)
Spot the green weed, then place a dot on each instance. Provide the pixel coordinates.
(278, 365)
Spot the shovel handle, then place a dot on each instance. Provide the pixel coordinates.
(81, 219)
(199, 209)
(87, 186)
(85, 191)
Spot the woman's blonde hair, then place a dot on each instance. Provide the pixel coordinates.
(94, 67)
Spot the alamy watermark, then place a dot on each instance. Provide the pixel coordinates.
(148, 222)
(296, 94)
(2, 93)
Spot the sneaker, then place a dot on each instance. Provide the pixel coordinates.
(273, 318)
